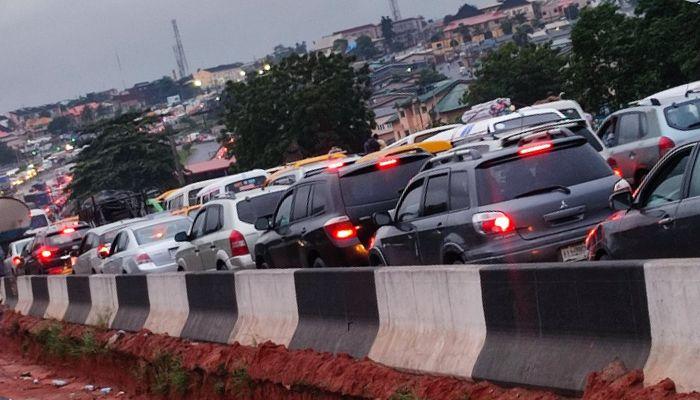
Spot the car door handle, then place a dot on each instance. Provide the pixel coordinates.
(665, 222)
(196, 252)
(212, 247)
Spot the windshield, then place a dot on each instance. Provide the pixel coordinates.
(38, 221)
(526, 121)
(379, 185)
(684, 116)
(259, 206)
(546, 171)
(161, 231)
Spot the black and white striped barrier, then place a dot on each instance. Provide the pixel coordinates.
(544, 326)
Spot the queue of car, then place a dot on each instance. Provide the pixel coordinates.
(536, 185)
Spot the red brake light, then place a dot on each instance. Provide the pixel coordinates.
(103, 249)
(46, 252)
(335, 165)
(340, 228)
(143, 258)
(665, 144)
(388, 163)
(238, 244)
(16, 260)
(535, 148)
(493, 222)
(68, 231)
(590, 235)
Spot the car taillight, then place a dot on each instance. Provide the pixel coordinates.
(143, 258)
(340, 228)
(535, 148)
(494, 222)
(665, 144)
(590, 235)
(46, 252)
(387, 163)
(238, 244)
(103, 249)
(335, 165)
(616, 169)
(68, 231)
(16, 260)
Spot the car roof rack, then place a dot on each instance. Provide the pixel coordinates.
(452, 157)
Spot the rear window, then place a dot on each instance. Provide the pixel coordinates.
(379, 185)
(245, 184)
(162, 231)
(38, 221)
(61, 238)
(108, 237)
(506, 181)
(259, 206)
(684, 116)
(571, 113)
(528, 120)
(583, 131)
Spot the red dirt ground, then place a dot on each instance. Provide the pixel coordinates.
(267, 372)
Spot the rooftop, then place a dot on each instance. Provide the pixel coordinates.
(355, 29)
(475, 20)
(223, 67)
(206, 166)
(513, 3)
(453, 99)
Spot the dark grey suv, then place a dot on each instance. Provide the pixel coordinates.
(533, 201)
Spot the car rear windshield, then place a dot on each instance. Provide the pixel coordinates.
(65, 237)
(583, 131)
(259, 206)
(684, 116)
(381, 184)
(525, 121)
(245, 184)
(161, 231)
(563, 167)
(38, 221)
(108, 237)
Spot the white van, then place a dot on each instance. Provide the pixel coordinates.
(232, 184)
(570, 108)
(421, 135)
(186, 196)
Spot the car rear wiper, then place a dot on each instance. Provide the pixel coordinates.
(693, 125)
(554, 188)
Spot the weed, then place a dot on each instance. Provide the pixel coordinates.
(52, 341)
(241, 379)
(89, 345)
(220, 387)
(404, 394)
(169, 376)
(103, 319)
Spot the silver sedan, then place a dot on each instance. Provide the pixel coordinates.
(146, 247)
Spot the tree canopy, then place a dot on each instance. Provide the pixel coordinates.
(7, 154)
(365, 48)
(465, 11)
(60, 125)
(301, 107)
(523, 73)
(124, 157)
(387, 26)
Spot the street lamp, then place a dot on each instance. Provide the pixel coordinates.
(242, 73)
(261, 72)
(267, 67)
(197, 83)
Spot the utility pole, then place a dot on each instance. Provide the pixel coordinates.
(395, 12)
(179, 173)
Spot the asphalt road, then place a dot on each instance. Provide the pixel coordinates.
(203, 152)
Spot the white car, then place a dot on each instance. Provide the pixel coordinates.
(146, 247)
(223, 231)
(39, 221)
(232, 184)
(422, 136)
(95, 247)
(570, 108)
(13, 258)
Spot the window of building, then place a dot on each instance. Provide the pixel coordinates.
(402, 114)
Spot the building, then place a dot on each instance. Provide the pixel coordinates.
(385, 118)
(409, 31)
(512, 8)
(551, 10)
(325, 44)
(216, 77)
(474, 29)
(370, 30)
(422, 111)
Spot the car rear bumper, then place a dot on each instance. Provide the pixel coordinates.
(544, 249)
(151, 268)
(240, 262)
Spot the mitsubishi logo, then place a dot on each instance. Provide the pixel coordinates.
(563, 205)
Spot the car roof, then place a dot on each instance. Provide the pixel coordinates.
(151, 222)
(433, 146)
(54, 228)
(231, 179)
(114, 225)
(249, 194)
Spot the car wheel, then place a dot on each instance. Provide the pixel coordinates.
(376, 261)
(260, 262)
(318, 263)
(603, 257)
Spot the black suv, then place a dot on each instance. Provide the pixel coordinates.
(663, 218)
(326, 219)
(534, 200)
(50, 251)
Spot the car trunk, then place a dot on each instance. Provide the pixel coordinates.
(161, 253)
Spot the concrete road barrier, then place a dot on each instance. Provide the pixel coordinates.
(58, 297)
(132, 297)
(167, 294)
(40, 296)
(9, 287)
(79, 299)
(104, 303)
(211, 297)
(24, 295)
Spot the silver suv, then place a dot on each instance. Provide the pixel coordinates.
(637, 137)
(223, 231)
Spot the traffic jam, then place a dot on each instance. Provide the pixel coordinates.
(536, 184)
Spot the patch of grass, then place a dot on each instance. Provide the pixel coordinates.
(404, 394)
(241, 379)
(220, 387)
(52, 341)
(168, 375)
(89, 346)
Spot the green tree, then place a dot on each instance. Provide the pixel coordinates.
(301, 107)
(60, 125)
(365, 48)
(87, 116)
(507, 26)
(124, 156)
(520, 36)
(520, 18)
(525, 74)
(8, 155)
(340, 46)
(387, 26)
(429, 76)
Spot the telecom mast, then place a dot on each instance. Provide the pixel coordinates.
(183, 67)
(395, 12)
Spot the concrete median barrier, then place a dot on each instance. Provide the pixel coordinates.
(167, 294)
(267, 307)
(211, 297)
(58, 297)
(431, 319)
(551, 325)
(24, 295)
(9, 287)
(40, 296)
(337, 311)
(104, 303)
(133, 303)
(79, 299)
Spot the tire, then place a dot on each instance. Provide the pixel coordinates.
(603, 257)
(318, 263)
(260, 262)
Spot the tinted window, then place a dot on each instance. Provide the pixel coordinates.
(571, 113)
(318, 199)
(410, 206)
(284, 181)
(628, 128)
(213, 220)
(684, 116)
(379, 185)
(506, 181)
(459, 190)
(436, 195)
(161, 231)
(108, 237)
(192, 196)
(259, 206)
(529, 120)
(245, 184)
(198, 225)
(667, 185)
(301, 202)
(607, 133)
(695, 180)
(584, 132)
(38, 221)
(60, 238)
(284, 212)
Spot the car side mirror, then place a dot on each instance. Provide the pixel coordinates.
(382, 218)
(621, 201)
(263, 224)
(182, 237)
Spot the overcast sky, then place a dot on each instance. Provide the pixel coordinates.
(52, 50)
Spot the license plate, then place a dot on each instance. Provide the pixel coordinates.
(577, 252)
(172, 253)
